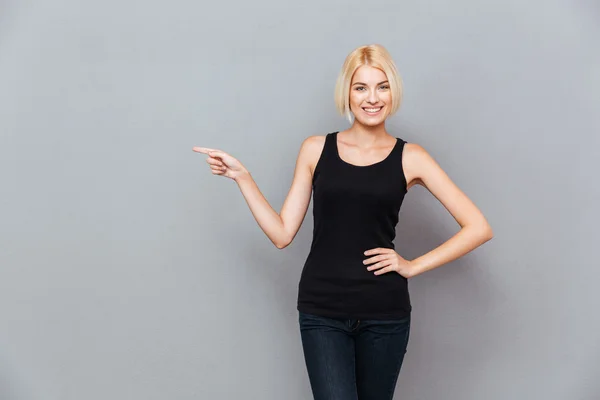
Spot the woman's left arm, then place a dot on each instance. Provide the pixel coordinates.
(421, 168)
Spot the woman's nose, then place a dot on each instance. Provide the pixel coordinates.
(373, 98)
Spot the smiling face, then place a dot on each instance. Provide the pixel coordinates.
(370, 96)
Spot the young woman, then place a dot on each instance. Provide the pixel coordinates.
(353, 304)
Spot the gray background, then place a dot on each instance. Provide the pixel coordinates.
(129, 271)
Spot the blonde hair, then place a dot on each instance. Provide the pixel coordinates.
(373, 55)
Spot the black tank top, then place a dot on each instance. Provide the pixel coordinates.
(355, 208)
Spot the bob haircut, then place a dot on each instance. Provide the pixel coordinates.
(373, 55)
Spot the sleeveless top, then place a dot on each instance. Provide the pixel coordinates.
(355, 208)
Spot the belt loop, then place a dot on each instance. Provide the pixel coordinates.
(353, 324)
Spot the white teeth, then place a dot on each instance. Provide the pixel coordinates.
(372, 109)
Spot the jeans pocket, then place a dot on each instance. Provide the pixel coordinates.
(308, 321)
(388, 326)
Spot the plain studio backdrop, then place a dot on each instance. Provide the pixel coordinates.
(128, 271)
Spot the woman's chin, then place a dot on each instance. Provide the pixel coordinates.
(370, 121)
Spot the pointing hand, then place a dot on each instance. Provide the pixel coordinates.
(222, 163)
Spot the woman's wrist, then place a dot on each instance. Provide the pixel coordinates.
(242, 176)
(416, 268)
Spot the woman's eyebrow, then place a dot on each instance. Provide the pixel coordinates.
(360, 83)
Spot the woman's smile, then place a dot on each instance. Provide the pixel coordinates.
(372, 110)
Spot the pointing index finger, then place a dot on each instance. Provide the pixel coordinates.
(204, 150)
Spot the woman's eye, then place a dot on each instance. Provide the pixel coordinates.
(381, 87)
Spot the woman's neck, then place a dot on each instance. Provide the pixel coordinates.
(365, 136)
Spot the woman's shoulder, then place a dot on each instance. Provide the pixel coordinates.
(413, 150)
(312, 148)
(417, 161)
(315, 140)
(313, 144)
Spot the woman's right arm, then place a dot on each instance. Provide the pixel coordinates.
(280, 228)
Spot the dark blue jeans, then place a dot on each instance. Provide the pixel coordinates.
(349, 359)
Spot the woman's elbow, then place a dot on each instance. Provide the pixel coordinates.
(282, 243)
(487, 233)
